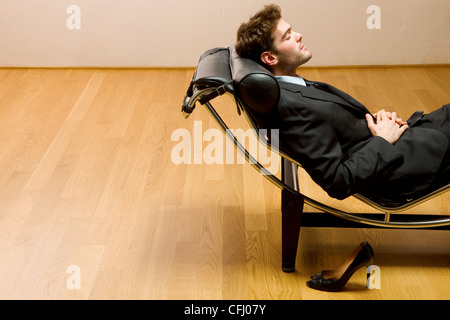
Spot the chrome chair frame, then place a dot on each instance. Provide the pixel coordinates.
(293, 216)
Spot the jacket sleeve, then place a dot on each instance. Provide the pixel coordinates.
(313, 142)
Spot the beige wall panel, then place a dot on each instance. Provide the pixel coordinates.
(173, 33)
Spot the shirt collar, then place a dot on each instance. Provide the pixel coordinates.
(290, 79)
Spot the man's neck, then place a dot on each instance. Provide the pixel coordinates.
(277, 72)
(285, 74)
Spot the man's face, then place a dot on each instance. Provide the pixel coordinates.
(291, 51)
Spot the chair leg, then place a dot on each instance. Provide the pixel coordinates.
(291, 217)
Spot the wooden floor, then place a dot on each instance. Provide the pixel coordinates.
(92, 205)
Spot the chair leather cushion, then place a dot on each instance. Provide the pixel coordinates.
(254, 84)
(213, 69)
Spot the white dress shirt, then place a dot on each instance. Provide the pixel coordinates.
(296, 80)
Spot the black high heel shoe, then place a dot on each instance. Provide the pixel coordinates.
(335, 280)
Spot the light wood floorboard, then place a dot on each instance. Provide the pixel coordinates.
(87, 181)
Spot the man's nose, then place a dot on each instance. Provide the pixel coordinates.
(299, 37)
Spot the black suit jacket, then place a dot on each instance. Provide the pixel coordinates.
(326, 131)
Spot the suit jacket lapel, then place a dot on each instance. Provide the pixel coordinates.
(323, 91)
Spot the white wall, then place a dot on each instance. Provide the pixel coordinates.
(173, 33)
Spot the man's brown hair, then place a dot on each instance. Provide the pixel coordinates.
(256, 36)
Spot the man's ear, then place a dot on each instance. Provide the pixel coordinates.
(269, 58)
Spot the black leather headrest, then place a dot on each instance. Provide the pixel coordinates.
(213, 69)
(254, 84)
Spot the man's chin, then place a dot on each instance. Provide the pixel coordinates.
(306, 59)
